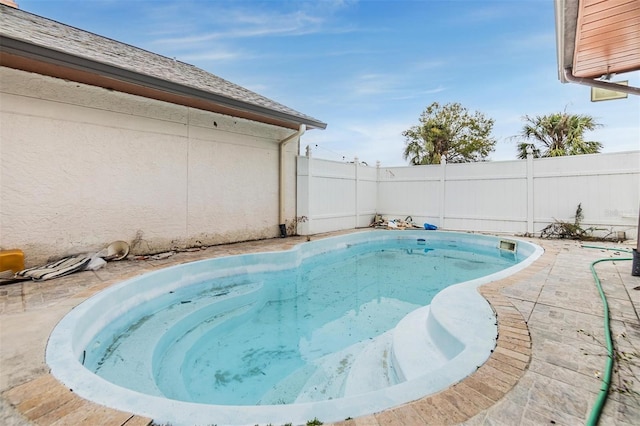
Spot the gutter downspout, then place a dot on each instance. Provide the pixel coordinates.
(281, 147)
(568, 74)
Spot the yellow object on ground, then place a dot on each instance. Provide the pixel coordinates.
(11, 260)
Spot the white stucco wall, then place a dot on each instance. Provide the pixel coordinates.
(83, 166)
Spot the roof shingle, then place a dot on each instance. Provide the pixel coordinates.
(38, 31)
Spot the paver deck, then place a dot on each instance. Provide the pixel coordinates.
(546, 368)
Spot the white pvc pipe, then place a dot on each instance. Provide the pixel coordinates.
(281, 148)
(568, 74)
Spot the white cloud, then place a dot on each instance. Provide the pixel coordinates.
(212, 55)
(387, 87)
(485, 12)
(239, 22)
(428, 64)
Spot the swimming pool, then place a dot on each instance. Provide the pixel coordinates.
(457, 331)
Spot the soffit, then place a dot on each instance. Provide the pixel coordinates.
(607, 37)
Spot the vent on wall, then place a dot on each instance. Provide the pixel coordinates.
(508, 245)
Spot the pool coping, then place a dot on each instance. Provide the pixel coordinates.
(40, 399)
(461, 311)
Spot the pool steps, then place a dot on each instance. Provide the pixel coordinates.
(169, 369)
(360, 368)
(383, 361)
(169, 354)
(330, 374)
(414, 351)
(373, 368)
(422, 345)
(404, 353)
(152, 350)
(408, 351)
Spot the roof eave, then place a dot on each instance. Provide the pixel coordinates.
(71, 67)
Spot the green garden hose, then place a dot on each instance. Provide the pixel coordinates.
(596, 411)
(609, 248)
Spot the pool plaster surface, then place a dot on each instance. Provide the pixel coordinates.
(545, 367)
(457, 332)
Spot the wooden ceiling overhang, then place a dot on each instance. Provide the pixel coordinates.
(597, 38)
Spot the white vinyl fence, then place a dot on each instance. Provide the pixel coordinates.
(514, 197)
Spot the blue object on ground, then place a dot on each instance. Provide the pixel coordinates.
(430, 227)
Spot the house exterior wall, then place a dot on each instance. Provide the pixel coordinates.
(512, 197)
(83, 166)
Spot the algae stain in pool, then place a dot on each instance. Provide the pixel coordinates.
(290, 335)
(113, 347)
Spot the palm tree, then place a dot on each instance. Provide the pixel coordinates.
(558, 134)
(427, 144)
(414, 153)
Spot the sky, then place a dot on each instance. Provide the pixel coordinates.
(369, 68)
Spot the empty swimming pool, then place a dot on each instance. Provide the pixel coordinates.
(334, 328)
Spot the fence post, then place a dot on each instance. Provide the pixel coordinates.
(443, 174)
(529, 190)
(378, 164)
(355, 163)
(309, 194)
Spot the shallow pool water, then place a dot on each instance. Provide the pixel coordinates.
(334, 328)
(284, 336)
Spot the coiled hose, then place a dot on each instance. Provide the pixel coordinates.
(596, 411)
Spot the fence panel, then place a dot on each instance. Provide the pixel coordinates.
(331, 201)
(607, 186)
(490, 196)
(367, 195)
(410, 191)
(522, 196)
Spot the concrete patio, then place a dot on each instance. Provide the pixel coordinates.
(546, 368)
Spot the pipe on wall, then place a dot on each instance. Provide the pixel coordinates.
(568, 74)
(281, 148)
